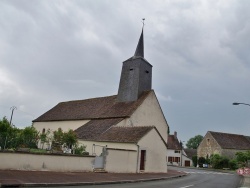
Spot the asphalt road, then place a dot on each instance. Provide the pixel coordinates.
(196, 179)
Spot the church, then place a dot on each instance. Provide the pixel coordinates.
(126, 132)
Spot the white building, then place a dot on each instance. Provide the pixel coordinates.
(176, 155)
(127, 132)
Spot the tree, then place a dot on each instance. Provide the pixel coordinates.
(45, 137)
(5, 131)
(194, 142)
(29, 137)
(243, 157)
(57, 139)
(70, 138)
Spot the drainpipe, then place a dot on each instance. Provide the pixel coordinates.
(138, 154)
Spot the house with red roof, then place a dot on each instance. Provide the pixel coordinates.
(224, 144)
(126, 132)
(176, 154)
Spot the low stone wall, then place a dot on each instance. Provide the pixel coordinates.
(42, 162)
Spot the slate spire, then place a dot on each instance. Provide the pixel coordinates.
(136, 75)
(140, 47)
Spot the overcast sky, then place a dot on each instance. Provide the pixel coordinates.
(54, 51)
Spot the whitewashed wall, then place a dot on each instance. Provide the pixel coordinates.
(155, 152)
(124, 161)
(26, 161)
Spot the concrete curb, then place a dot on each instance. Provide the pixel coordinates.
(87, 183)
(246, 181)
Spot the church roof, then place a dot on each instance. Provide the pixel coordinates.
(94, 128)
(95, 108)
(103, 130)
(231, 141)
(124, 134)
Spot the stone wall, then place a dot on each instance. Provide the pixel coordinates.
(208, 146)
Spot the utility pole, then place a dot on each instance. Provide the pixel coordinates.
(12, 108)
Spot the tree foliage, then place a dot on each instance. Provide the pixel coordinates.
(12, 137)
(61, 138)
(243, 157)
(194, 142)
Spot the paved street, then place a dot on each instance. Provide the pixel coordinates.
(196, 179)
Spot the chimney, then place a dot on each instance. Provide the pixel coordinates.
(175, 134)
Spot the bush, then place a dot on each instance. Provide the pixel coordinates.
(219, 162)
(195, 159)
(80, 150)
(233, 164)
(201, 161)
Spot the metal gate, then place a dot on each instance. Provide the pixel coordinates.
(100, 160)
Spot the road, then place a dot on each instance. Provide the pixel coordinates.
(196, 178)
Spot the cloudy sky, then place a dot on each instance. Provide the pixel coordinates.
(53, 51)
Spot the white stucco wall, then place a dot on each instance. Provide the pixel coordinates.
(149, 113)
(25, 161)
(97, 149)
(124, 161)
(184, 158)
(54, 125)
(155, 152)
(171, 153)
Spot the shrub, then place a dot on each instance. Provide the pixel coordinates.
(80, 150)
(195, 159)
(219, 162)
(201, 161)
(233, 164)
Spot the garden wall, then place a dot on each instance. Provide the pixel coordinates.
(49, 162)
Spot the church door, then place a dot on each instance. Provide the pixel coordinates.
(143, 158)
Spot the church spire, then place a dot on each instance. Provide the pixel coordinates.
(140, 46)
(136, 75)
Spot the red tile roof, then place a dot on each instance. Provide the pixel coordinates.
(231, 141)
(95, 108)
(173, 143)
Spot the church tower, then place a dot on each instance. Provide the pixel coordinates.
(136, 75)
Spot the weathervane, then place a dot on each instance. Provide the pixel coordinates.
(143, 19)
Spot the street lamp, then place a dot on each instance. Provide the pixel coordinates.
(238, 103)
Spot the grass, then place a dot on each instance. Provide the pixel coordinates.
(38, 151)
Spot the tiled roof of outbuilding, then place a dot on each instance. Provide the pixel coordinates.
(95, 108)
(103, 130)
(94, 128)
(191, 152)
(124, 134)
(173, 143)
(231, 141)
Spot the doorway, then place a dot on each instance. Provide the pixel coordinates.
(143, 159)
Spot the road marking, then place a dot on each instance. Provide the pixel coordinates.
(219, 173)
(187, 186)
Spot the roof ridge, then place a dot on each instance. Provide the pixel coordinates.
(77, 100)
(227, 133)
